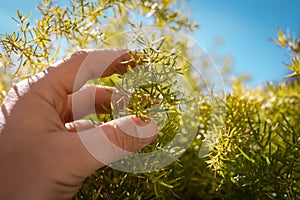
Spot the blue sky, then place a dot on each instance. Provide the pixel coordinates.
(245, 27)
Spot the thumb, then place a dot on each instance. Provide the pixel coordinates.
(117, 139)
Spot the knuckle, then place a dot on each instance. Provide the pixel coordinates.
(79, 55)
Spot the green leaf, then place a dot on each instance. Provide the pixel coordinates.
(245, 155)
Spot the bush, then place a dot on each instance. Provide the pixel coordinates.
(255, 154)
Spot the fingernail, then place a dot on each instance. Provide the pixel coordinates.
(136, 127)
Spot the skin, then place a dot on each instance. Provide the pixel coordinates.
(41, 156)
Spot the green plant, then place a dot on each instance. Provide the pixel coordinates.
(292, 43)
(62, 29)
(257, 155)
(256, 151)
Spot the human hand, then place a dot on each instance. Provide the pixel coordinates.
(43, 155)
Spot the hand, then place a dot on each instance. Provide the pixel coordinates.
(43, 155)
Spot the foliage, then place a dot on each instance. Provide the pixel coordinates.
(292, 43)
(65, 28)
(258, 150)
(256, 154)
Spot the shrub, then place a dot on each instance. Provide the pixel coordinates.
(256, 134)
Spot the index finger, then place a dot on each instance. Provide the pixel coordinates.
(73, 72)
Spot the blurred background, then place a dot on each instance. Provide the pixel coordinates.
(239, 29)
